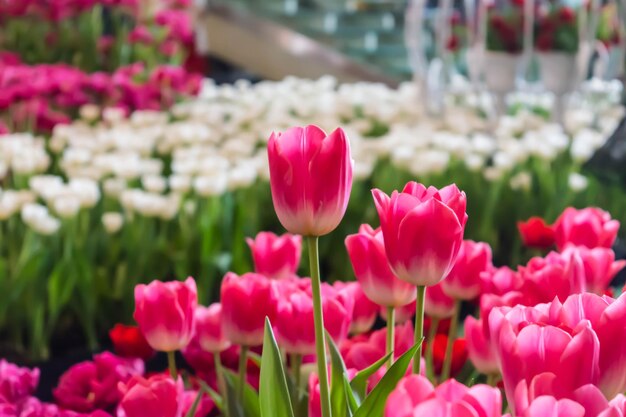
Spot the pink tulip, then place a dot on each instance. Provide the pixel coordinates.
(164, 312)
(479, 348)
(205, 406)
(463, 281)
(157, 396)
(311, 178)
(274, 256)
(89, 386)
(500, 281)
(369, 261)
(617, 407)
(423, 230)
(556, 275)
(246, 301)
(415, 396)
(590, 227)
(599, 265)
(437, 303)
(315, 409)
(16, 383)
(547, 406)
(365, 311)
(209, 328)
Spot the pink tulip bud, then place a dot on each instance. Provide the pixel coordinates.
(437, 303)
(209, 328)
(479, 348)
(311, 178)
(274, 256)
(590, 227)
(369, 261)
(599, 265)
(548, 406)
(463, 281)
(423, 230)
(164, 312)
(364, 313)
(246, 301)
(157, 396)
(16, 383)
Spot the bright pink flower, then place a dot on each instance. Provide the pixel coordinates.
(415, 396)
(246, 301)
(365, 311)
(89, 386)
(165, 313)
(547, 406)
(463, 282)
(140, 34)
(437, 304)
(274, 256)
(129, 342)
(369, 261)
(500, 281)
(311, 178)
(157, 396)
(315, 408)
(295, 305)
(209, 328)
(479, 348)
(16, 383)
(423, 230)
(536, 233)
(590, 227)
(556, 275)
(600, 266)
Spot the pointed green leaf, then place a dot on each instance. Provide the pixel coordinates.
(359, 382)
(215, 396)
(273, 390)
(338, 396)
(374, 404)
(196, 402)
(352, 401)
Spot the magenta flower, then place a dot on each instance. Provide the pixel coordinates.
(274, 256)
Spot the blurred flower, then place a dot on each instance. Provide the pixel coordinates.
(129, 342)
(274, 256)
(536, 233)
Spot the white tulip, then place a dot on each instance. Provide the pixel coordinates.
(66, 206)
(208, 186)
(154, 183)
(577, 182)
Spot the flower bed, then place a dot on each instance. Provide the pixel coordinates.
(547, 335)
(104, 205)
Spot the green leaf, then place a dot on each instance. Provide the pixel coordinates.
(374, 404)
(215, 396)
(273, 390)
(194, 406)
(359, 382)
(352, 401)
(250, 405)
(338, 396)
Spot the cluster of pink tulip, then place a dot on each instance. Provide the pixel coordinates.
(547, 333)
(42, 96)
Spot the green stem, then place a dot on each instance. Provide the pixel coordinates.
(221, 384)
(296, 365)
(419, 326)
(432, 332)
(320, 337)
(492, 380)
(171, 363)
(447, 363)
(391, 326)
(243, 362)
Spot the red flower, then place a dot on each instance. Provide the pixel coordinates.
(129, 342)
(534, 231)
(453, 43)
(459, 354)
(567, 15)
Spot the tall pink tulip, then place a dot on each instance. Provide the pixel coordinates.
(591, 227)
(463, 282)
(158, 396)
(164, 312)
(274, 256)
(246, 301)
(416, 396)
(423, 230)
(369, 261)
(209, 328)
(365, 311)
(438, 304)
(311, 178)
(479, 348)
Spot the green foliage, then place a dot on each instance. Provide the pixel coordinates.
(274, 398)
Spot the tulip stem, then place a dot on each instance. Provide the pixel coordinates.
(391, 326)
(492, 379)
(243, 367)
(171, 363)
(430, 347)
(454, 323)
(419, 327)
(318, 316)
(219, 371)
(296, 365)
